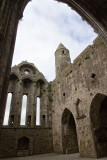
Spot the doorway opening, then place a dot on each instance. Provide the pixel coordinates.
(69, 133)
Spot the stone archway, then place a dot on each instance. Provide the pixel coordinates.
(69, 134)
(98, 114)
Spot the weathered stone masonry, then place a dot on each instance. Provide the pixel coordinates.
(95, 13)
(25, 79)
(73, 106)
(75, 89)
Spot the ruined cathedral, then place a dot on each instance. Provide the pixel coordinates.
(73, 107)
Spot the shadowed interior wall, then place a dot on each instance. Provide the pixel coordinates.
(99, 123)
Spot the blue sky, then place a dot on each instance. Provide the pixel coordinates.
(45, 24)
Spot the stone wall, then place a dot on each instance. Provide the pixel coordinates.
(18, 139)
(40, 141)
(25, 79)
(75, 90)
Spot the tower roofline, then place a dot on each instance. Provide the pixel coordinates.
(61, 46)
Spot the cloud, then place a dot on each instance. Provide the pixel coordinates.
(45, 24)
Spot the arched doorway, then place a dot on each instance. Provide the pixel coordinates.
(23, 143)
(98, 114)
(69, 134)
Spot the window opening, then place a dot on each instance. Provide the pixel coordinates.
(43, 120)
(23, 111)
(26, 71)
(29, 120)
(38, 111)
(63, 51)
(7, 111)
(93, 75)
(11, 120)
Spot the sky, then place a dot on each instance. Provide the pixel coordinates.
(46, 24)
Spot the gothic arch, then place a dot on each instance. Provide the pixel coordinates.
(69, 133)
(98, 115)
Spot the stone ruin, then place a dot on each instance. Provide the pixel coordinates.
(73, 107)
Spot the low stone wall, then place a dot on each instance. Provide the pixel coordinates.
(40, 141)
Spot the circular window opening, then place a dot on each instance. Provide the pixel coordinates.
(26, 71)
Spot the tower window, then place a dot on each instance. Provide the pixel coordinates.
(63, 51)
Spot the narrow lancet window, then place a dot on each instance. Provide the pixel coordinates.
(23, 111)
(38, 111)
(7, 111)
